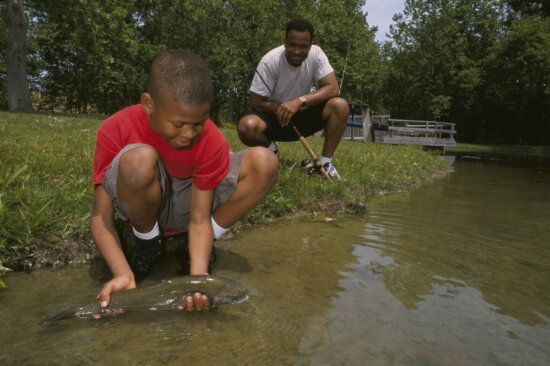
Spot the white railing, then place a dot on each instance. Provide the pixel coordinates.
(381, 128)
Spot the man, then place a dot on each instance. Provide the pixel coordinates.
(163, 165)
(281, 92)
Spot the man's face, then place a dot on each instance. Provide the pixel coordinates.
(180, 124)
(297, 46)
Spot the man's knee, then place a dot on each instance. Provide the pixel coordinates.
(337, 110)
(138, 168)
(339, 106)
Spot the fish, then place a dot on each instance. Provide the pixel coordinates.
(164, 295)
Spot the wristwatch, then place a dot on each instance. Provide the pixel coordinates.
(303, 100)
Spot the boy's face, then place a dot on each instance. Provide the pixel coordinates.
(297, 46)
(180, 124)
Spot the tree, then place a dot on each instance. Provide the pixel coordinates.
(3, 41)
(18, 93)
(530, 7)
(93, 62)
(436, 58)
(516, 98)
(362, 64)
(92, 56)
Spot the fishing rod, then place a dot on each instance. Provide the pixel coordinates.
(301, 138)
(344, 72)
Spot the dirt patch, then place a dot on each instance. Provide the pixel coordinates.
(65, 252)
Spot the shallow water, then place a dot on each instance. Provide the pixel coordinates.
(455, 273)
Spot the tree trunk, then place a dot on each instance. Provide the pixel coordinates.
(19, 97)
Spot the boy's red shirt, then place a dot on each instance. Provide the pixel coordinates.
(206, 162)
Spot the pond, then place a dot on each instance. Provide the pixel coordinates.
(454, 273)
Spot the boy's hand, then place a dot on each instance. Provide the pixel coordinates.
(197, 302)
(120, 283)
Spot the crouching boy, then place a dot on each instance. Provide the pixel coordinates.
(163, 165)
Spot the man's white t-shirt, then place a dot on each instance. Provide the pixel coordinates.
(287, 81)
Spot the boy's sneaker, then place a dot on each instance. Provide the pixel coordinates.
(142, 255)
(331, 171)
(184, 257)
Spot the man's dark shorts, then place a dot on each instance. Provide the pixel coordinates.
(307, 122)
(175, 193)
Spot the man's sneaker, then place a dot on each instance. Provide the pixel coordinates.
(309, 166)
(331, 171)
(274, 148)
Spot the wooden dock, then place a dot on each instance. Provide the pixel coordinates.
(362, 126)
(359, 121)
(426, 133)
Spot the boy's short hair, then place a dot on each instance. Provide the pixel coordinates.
(299, 25)
(185, 74)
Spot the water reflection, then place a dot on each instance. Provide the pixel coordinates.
(456, 273)
(481, 228)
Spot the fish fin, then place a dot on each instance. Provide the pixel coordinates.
(60, 316)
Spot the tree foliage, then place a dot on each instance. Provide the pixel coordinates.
(482, 64)
(92, 56)
(435, 67)
(3, 41)
(516, 98)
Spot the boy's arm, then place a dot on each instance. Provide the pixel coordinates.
(200, 230)
(106, 239)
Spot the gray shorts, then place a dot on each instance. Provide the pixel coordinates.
(175, 193)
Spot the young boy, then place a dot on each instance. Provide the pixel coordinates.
(163, 165)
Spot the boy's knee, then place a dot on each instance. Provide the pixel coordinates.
(264, 162)
(138, 168)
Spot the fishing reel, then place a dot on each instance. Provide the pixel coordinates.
(309, 166)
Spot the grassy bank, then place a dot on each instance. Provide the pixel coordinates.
(46, 194)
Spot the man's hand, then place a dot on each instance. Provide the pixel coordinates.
(120, 283)
(287, 110)
(197, 302)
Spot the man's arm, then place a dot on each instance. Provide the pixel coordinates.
(328, 88)
(107, 241)
(262, 104)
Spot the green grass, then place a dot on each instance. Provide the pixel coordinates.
(46, 191)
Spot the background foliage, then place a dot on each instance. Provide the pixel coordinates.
(483, 64)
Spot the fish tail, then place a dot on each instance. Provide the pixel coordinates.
(60, 316)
